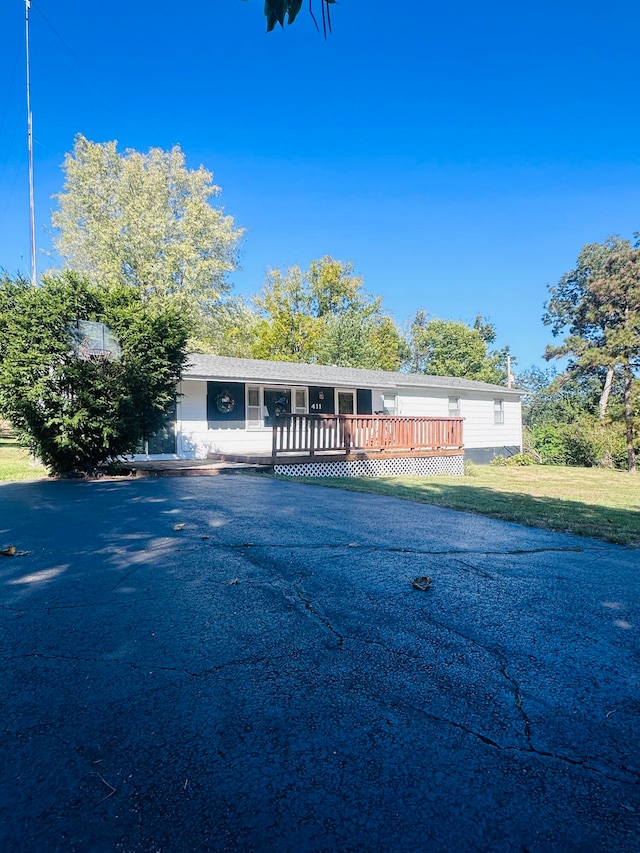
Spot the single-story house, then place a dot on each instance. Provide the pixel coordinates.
(228, 407)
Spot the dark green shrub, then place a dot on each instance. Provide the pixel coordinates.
(520, 459)
(548, 441)
(79, 410)
(585, 442)
(582, 444)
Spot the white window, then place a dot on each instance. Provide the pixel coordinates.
(498, 411)
(300, 398)
(390, 404)
(254, 407)
(264, 402)
(454, 407)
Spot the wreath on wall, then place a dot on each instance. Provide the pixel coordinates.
(225, 402)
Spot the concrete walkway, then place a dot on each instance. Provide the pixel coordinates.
(189, 467)
(242, 664)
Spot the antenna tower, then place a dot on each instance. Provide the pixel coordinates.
(32, 217)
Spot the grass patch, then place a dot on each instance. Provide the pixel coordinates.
(16, 463)
(593, 502)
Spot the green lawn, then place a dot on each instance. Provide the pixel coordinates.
(594, 502)
(16, 464)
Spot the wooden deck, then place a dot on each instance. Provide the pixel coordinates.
(319, 437)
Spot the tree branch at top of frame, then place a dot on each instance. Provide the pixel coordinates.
(276, 11)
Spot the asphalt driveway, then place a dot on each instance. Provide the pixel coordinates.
(265, 678)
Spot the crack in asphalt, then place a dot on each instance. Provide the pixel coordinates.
(518, 701)
(575, 762)
(503, 663)
(256, 660)
(467, 567)
(183, 545)
(388, 550)
(319, 616)
(499, 657)
(529, 750)
(293, 591)
(127, 575)
(296, 587)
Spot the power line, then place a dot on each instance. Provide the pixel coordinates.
(9, 91)
(57, 35)
(97, 93)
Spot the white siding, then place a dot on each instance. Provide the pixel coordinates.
(416, 403)
(479, 427)
(196, 440)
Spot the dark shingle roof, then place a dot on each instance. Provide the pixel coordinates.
(202, 366)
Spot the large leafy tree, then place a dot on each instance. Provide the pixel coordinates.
(452, 348)
(228, 330)
(361, 339)
(598, 302)
(81, 406)
(145, 220)
(569, 308)
(287, 329)
(324, 315)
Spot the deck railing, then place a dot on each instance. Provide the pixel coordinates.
(313, 435)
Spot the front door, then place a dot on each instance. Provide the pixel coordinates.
(164, 441)
(345, 402)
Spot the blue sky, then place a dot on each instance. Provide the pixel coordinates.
(459, 155)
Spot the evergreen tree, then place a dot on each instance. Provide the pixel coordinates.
(86, 373)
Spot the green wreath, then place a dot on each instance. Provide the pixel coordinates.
(225, 402)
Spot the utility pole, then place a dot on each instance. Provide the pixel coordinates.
(32, 216)
(509, 373)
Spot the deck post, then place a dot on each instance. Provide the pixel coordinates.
(274, 443)
(346, 432)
